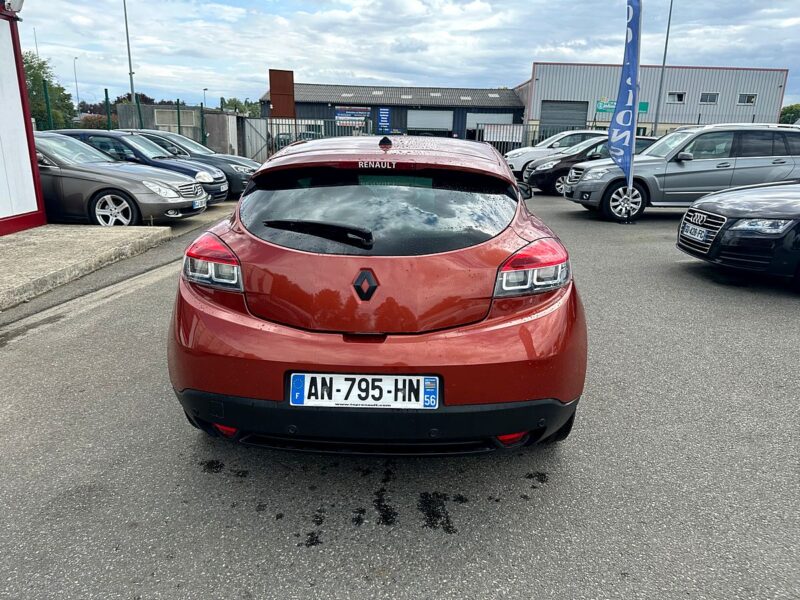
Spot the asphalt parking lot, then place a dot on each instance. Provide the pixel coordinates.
(680, 479)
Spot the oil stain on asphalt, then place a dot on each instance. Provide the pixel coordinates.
(433, 508)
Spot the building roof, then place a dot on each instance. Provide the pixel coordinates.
(372, 95)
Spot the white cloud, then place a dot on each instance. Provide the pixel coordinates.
(181, 46)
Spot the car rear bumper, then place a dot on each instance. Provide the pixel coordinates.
(526, 357)
(447, 430)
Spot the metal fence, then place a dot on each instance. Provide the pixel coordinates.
(261, 138)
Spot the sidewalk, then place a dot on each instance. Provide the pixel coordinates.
(37, 260)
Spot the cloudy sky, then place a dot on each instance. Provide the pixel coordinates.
(182, 46)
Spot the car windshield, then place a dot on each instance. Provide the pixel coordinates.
(668, 143)
(70, 151)
(149, 148)
(580, 147)
(549, 140)
(186, 143)
(424, 212)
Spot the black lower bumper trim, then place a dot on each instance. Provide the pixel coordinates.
(447, 430)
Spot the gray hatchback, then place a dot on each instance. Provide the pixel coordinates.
(80, 183)
(686, 164)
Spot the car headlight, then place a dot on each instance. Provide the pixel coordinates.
(595, 174)
(204, 177)
(513, 154)
(243, 169)
(547, 165)
(160, 189)
(763, 225)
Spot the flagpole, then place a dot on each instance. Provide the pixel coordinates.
(663, 70)
(636, 108)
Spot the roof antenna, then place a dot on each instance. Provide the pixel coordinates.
(385, 143)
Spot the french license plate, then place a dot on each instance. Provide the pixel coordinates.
(199, 203)
(223, 187)
(694, 232)
(364, 391)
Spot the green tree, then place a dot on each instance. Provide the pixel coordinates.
(37, 71)
(790, 114)
(246, 107)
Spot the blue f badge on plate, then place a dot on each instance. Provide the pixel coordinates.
(298, 389)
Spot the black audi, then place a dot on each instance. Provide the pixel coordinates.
(754, 228)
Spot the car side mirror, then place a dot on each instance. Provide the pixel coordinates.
(525, 190)
(682, 156)
(41, 160)
(594, 156)
(555, 145)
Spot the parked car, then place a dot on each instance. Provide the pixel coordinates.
(133, 147)
(687, 164)
(754, 228)
(80, 183)
(282, 139)
(549, 174)
(518, 159)
(334, 310)
(237, 169)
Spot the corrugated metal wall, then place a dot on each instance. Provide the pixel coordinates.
(398, 115)
(591, 83)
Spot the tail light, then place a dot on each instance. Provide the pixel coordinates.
(209, 261)
(541, 266)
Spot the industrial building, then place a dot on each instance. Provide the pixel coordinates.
(568, 95)
(435, 111)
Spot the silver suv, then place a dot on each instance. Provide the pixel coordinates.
(686, 164)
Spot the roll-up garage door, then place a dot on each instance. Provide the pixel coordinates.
(475, 119)
(557, 116)
(430, 119)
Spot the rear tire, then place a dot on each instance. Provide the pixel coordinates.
(616, 203)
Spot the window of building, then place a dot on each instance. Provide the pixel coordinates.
(747, 99)
(709, 98)
(676, 97)
(377, 92)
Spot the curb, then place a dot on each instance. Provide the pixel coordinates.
(152, 236)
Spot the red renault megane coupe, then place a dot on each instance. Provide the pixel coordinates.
(389, 296)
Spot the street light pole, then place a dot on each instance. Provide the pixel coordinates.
(204, 96)
(128, 42)
(663, 70)
(77, 93)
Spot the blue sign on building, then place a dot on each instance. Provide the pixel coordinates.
(384, 120)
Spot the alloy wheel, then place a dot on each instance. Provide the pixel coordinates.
(113, 210)
(622, 204)
(560, 183)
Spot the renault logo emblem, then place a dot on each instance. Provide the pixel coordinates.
(697, 218)
(365, 284)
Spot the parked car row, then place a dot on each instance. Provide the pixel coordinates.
(550, 173)
(687, 164)
(129, 177)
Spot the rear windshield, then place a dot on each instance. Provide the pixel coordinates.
(375, 213)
